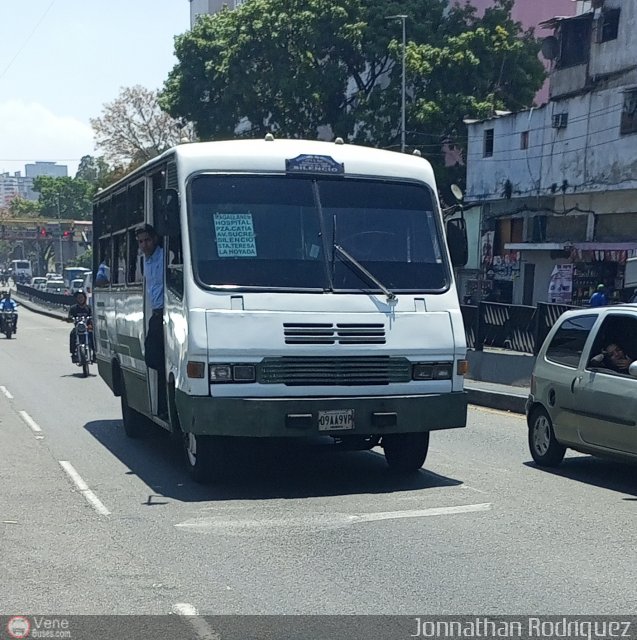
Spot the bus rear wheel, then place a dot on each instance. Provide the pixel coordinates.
(134, 422)
(406, 452)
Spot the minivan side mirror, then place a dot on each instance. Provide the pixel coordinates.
(166, 212)
(458, 242)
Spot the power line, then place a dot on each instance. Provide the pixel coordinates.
(24, 44)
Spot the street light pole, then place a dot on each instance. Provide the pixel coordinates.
(403, 19)
(60, 232)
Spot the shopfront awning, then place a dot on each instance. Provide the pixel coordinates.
(535, 246)
(581, 246)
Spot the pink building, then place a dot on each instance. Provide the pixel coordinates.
(530, 13)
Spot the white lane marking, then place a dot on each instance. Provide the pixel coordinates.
(30, 422)
(92, 499)
(5, 391)
(423, 513)
(201, 628)
(326, 520)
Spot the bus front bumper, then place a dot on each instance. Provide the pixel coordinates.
(299, 417)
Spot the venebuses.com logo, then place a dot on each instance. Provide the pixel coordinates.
(18, 627)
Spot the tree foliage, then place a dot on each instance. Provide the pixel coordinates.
(19, 207)
(281, 65)
(133, 128)
(68, 198)
(311, 68)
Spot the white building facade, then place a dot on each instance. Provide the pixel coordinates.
(40, 168)
(555, 188)
(199, 7)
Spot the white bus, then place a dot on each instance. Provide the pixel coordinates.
(21, 270)
(308, 291)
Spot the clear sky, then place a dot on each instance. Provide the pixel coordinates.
(62, 60)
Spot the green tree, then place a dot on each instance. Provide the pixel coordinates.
(279, 65)
(311, 67)
(22, 208)
(99, 172)
(68, 198)
(92, 169)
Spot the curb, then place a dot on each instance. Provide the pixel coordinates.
(497, 400)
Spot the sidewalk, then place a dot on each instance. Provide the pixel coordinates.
(497, 396)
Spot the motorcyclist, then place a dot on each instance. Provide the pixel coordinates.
(80, 308)
(7, 303)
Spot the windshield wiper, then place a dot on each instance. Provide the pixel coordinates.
(391, 296)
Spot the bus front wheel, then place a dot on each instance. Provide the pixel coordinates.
(406, 452)
(205, 456)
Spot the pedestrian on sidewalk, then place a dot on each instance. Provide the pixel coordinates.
(599, 298)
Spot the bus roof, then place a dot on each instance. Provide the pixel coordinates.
(271, 156)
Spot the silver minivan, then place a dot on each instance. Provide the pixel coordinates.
(584, 387)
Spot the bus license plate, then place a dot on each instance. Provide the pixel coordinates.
(336, 420)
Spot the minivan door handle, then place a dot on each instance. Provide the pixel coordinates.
(575, 382)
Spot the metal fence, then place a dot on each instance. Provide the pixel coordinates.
(44, 297)
(509, 326)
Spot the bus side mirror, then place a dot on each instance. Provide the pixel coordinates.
(457, 242)
(166, 212)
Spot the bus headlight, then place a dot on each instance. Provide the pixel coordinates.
(220, 373)
(422, 372)
(232, 373)
(432, 371)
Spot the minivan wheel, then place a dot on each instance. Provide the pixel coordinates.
(545, 449)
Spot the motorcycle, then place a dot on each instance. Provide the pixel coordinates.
(8, 322)
(83, 343)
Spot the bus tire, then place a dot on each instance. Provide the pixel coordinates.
(200, 457)
(209, 458)
(406, 452)
(134, 422)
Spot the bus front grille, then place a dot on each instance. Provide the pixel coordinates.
(328, 333)
(322, 371)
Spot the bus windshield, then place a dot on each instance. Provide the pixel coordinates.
(284, 232)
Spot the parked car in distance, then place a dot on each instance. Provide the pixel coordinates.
(38, 282)
(584, 387)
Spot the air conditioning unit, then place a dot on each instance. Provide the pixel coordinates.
(560, 120)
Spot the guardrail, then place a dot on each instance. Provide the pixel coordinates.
(49, 299)
(509, 326)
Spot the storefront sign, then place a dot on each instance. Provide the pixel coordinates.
(561, 284)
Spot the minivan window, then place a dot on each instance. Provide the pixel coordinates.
(568, 342)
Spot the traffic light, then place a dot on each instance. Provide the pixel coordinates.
(42, 232)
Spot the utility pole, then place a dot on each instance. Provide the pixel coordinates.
(60, 240)
(403, 19)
